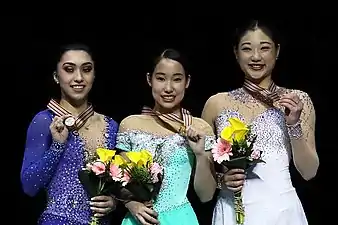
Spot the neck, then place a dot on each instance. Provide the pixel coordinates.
(265, 82)
(74, 107)
(176, 110)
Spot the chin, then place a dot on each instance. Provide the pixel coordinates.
(256, 76)
(168, 105)
(78, 97)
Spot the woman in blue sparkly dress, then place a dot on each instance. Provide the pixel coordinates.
(62, 138)
(185, 140)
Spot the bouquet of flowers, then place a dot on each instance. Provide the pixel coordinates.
(234, 150)
(145, 175)
(102, 176)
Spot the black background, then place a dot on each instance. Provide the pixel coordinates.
(124, 50)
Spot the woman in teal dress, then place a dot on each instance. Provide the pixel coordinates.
(185, 142)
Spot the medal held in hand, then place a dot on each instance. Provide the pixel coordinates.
(69, 122)
(183, 130)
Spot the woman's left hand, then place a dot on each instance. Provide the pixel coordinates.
(196, 141)
(293, 107)
(102, 205)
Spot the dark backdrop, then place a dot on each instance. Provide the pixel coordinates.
(124, 51)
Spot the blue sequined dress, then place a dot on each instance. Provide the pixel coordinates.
(54, 167)
(172, 204)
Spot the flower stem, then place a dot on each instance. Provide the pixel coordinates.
(94, 221)
(239, 208)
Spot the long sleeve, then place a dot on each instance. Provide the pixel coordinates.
(41, 156)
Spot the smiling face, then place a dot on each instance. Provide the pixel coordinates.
(168, 82)
(256, 54)
(75, 74)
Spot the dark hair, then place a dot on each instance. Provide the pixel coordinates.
(173, 55)
(74, 47)
(266, 26)
(62, 50)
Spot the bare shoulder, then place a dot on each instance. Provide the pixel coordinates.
(217, 98)
(202, 125)
(217, 103)
(133, 121)
(98, 117)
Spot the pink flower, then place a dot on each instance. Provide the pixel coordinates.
(222, 151)
(125, 178)
(255, 154)
(98, 167)
(115, 172)
(155, 170)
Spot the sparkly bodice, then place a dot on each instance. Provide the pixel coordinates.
(269, 124)
(54, 167)
(272, 139)
(178, 162)
(268, 193)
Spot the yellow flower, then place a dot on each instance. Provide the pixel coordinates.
(119, 160)
(142, 158)
(235, 131)
(146, 156)
(105, 155)
(135, 158)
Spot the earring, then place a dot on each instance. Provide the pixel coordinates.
(55, 77)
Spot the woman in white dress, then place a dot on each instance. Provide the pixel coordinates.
(284, 121)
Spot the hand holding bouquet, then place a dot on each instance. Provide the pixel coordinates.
(234, 150)
(102, 176)
(145, 176)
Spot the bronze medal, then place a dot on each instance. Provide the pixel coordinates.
(69, 121)
(73, 123)
(182, 131)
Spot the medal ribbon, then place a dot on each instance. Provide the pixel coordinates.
(185, 123)
(268, 96)
(80, 120)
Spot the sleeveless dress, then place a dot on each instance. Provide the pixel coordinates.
(172, 204)
(269, 197)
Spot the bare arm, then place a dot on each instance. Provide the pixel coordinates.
(204, 180)
(304, 147)
(204, 174)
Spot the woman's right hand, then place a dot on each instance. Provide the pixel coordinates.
(234, 179)
(58, 129)
(142, 213)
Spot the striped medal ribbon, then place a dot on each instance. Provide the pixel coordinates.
(268, 96)
(73, 123)
(185, 123)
